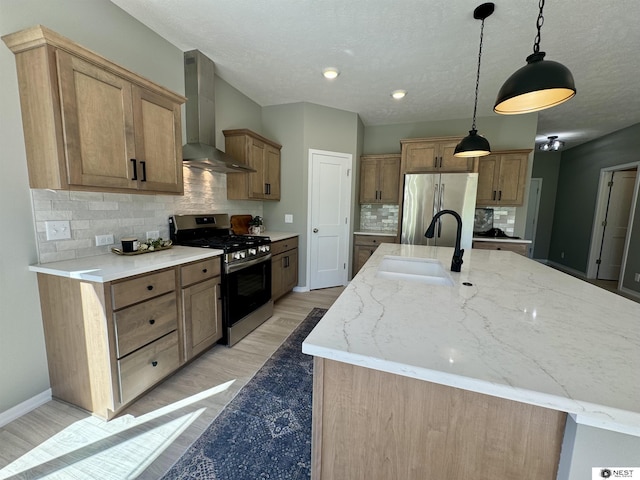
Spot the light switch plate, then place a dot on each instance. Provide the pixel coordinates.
(288, 218)
(58, 230)
(104, 240)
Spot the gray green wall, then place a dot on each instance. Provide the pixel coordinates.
(106, 29)
(546, 165)
(300, 127)
(578, 181)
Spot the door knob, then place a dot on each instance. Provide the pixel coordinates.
(315, 230)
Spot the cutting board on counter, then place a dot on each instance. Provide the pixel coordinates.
(240, 224)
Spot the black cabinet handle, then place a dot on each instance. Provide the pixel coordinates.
(152, 321)
(149, 287)
(266, 190)
(135, 169)
(500, 195)
(204, 270)
(494, 195)
(154, 363)
(144, 170)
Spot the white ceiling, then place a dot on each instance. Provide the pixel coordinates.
(274, 51)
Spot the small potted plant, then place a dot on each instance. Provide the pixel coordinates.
(255, 225)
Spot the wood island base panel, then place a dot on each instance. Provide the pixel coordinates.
(373, 425)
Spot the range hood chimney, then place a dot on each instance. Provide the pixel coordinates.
(200, 150)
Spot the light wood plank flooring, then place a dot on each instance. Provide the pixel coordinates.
(168, 419)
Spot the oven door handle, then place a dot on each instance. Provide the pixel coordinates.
(248, 263)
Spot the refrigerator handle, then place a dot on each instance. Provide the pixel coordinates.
(440, 207)
(436, 200)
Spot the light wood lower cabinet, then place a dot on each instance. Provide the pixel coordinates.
(374, 425)
(520, 248)
(284, 266)
(107, 343)
(364, 246)
(202, 306)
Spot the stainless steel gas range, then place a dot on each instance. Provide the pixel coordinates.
(246, 269)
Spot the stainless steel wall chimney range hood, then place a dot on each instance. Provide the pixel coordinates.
(200, 150)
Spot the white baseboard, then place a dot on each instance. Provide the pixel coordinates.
(630, 292)
(300, 289)
(25, 407)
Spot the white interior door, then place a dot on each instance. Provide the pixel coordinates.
(329, 193)
(616, 224)
(533, 209)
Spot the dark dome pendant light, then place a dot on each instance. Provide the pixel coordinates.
(538, 85)
(474, 145)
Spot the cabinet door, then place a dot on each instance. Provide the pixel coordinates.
(420, 157)
(290, 272)
(488, 169)
(202, 316)
(256, 161)
(277, 276)
(360, 256)
(449, 163)
(512, 177)
(272, 172)
(389, 180)
(97, 119)
(369, 180)
(158, 135)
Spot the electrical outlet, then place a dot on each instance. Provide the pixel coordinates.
(637, 277)
(288, 218)
(58, 230)
(153, 234)
(104, 240)
(561, 254)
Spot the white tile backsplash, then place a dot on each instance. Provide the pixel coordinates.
(124, 214)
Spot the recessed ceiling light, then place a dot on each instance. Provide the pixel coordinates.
(398, 94)
(330, 73)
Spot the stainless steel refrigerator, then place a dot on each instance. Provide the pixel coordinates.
(425, 194)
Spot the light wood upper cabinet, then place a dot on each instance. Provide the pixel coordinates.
(380, 179)
(433, 155)
(90, 124)
(502, 178)
(261, 154)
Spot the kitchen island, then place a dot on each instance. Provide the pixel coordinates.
(468, 381)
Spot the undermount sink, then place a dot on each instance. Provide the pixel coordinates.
(423, 270)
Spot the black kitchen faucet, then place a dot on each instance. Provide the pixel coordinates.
(456, 261)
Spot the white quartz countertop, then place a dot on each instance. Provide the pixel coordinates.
(500, 240)
(277, 236)
(370, 232)
(105, 268)
(522, 331)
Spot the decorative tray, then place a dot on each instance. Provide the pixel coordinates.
(166, 245)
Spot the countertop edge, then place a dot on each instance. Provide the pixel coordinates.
(598, 416)
(98, 275)
(277, 236)
(500, 240)
(377, 234)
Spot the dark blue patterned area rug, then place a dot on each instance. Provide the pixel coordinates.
(265, 431)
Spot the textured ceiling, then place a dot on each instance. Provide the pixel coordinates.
(273, 51)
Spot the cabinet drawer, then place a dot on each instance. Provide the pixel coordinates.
(197, 272)
(284, 245)
(372, 240)
(143, 288)
(147, 366)
(143, 323)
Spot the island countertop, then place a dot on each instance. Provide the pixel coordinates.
(521, 331)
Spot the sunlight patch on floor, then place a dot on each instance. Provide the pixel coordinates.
(119, 449)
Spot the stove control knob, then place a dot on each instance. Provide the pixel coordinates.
(252, 251)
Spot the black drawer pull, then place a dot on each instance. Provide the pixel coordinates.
(204, 270)
(144, 170)
(152, 321)
(154, 363)
(498, 248)
(149, 287)
(135, 169)
(375, 241)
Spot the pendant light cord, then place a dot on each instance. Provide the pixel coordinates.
(539, 23)
(475, 104)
